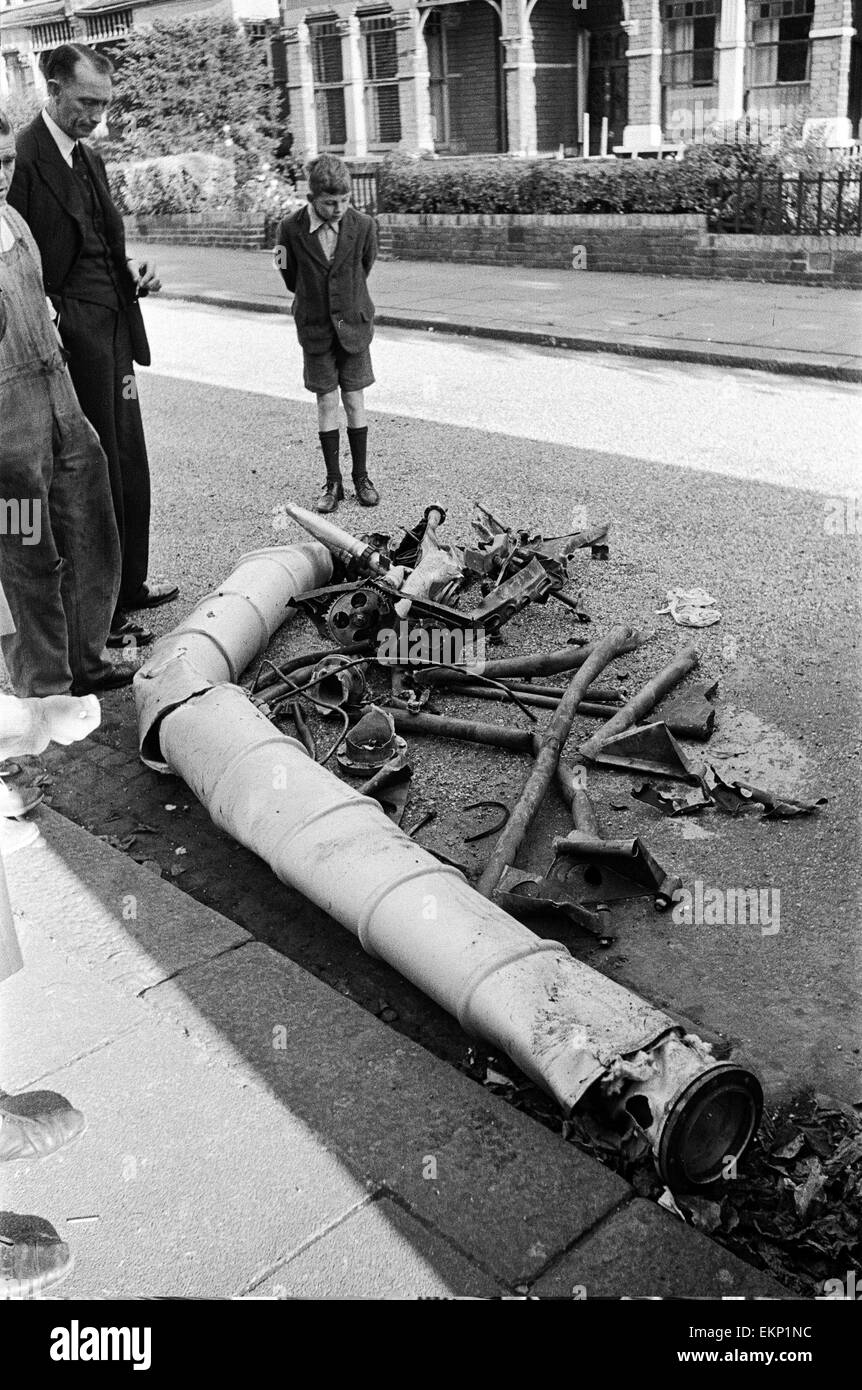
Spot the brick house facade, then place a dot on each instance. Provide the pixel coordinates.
(529, 77)
(522, 77)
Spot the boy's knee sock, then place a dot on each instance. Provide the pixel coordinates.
(330, 443)
(358, 441)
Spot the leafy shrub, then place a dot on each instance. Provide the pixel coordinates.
(540, 186)
(268, 194)
(191, 182)
(193, 84)
(20, 108)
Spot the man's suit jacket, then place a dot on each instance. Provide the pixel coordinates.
(331, 297)
(48, 195)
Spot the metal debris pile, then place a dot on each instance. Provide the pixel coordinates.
(408, 621)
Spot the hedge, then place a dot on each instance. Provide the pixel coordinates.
(699, 182)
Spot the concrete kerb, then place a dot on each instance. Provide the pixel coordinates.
(508, 1203)
(741, 358)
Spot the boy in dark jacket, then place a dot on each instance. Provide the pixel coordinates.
(324, 253)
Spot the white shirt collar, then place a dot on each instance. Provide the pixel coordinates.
(65, 144)
(315, 222)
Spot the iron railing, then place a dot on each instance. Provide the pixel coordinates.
(365, 192)
(780, 204)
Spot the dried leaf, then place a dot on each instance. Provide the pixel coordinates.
(789, 1150)
(666, 1200)
(810, 1190)
(705, 1215)
(496, 1078)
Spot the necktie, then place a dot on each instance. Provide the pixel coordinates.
(328, 235)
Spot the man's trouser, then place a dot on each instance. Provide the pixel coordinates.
(59, 549)
(99, 345)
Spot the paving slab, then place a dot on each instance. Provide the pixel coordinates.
(495, 1183)
(644, 1252)
(380, 1251)
(108, 911)
(69, 1018)
(185, 1183)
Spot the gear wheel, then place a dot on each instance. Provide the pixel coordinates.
(354, 616)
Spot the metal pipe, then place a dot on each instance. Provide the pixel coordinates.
(641, 703)
(565, 1025)
(470, 730)
(601, 694)
(551, 741)
(536, 699)
(538, 664)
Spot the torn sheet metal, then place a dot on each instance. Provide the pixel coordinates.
(647, 748)
(734, 797)
(611, 870)
(676, 804)
(390, 787)
(692, 715)
(531, 584)
(524, 893)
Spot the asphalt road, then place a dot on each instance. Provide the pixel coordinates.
(739, 482)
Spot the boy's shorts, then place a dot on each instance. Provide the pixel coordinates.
(326, 371)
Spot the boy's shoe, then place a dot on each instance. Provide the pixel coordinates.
(331, 494)
(366, 493)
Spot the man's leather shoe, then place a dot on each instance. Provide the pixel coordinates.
(37, 1123)
(153, 596)
(120, 674)
(128, 633)
(366, 493)
(331, 494)
(32, 1255)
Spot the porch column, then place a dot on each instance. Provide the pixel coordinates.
(644, 30)
(519, 68)
(413, 78)
(300, 85)
(830, 37)
(731, 60)
(354, 87)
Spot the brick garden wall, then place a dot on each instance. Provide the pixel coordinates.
(641, 244)
(200, 229)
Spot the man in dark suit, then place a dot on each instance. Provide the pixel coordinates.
(60, 188)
